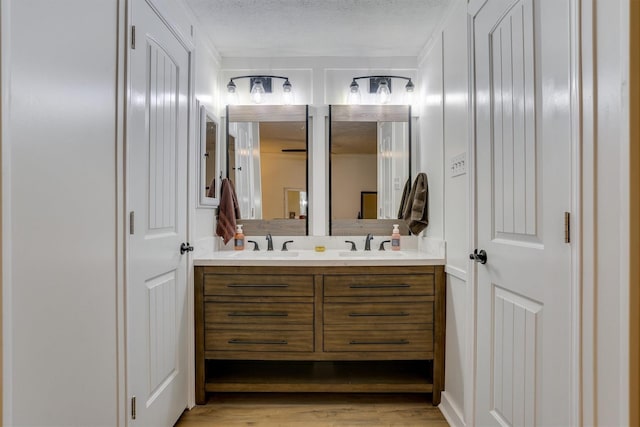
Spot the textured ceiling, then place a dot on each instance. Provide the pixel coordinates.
(276, 28)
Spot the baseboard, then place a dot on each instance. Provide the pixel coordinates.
(451, 411)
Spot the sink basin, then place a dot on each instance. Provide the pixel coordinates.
(265, 254)
(371, 254)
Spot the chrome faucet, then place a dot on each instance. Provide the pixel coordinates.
(367, 242)
(269, 242)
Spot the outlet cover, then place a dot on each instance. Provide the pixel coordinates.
(458, 165)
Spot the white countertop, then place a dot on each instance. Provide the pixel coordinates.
(415, 251)
(310, 258)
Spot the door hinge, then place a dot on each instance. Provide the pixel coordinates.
(132, 217)
(567, 227)
(133, 408)
(133, 37)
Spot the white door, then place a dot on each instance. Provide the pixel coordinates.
(522, 93)
(157, 194)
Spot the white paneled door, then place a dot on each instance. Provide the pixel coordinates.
(157, 125)
(523, 184)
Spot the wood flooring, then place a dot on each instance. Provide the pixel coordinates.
(314, 410)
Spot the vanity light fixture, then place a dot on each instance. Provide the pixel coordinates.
(260, 85)
(381, 86)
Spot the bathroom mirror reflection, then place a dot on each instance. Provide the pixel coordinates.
(209, 159)
(267, 162)
(369, 162)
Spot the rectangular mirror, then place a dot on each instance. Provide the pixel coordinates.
(369, 165)
(209, 166)
(267, 162)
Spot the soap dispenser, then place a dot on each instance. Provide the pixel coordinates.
(395, 238)
(238, 239)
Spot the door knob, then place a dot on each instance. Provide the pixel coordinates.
(480, 257)
(185, 247)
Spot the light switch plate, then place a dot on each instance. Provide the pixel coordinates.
(458, 165)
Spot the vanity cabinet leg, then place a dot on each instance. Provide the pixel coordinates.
(201, 396)
(439, 335)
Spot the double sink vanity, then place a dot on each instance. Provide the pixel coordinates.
(334, 320)
(319, 316)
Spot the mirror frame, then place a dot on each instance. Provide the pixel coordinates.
(368, 113)
(270, 113)
(203, 200)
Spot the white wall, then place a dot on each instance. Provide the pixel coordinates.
(62, 145)
(432, 132)
(444, 134)
(316, 81)
(59, 206)
(207, 91)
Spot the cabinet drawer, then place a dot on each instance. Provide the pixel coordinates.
(398, 340)
(280, 285)
(367, 313)
(259, 313)
(379, 285)
(232, 340)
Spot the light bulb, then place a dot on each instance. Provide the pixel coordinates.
(287, 98)
(257, 92)
(384, 94)
(408, 96)
(232, 93)
(354, 93)
(287, 93)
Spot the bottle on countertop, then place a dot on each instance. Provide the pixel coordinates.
(238, 239)
(395, 238)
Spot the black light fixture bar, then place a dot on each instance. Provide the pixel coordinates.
(266, 81)
(374, 82)
(261, 84)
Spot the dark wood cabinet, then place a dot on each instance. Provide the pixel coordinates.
(319, 329)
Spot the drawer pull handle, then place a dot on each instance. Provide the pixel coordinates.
(392, 342)
(401, 314)
(275, 342)
(258, 314)
(258, 286)
(401, 285)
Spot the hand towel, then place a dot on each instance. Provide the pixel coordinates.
(416, 213)
(405, 198)
(228, 211)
